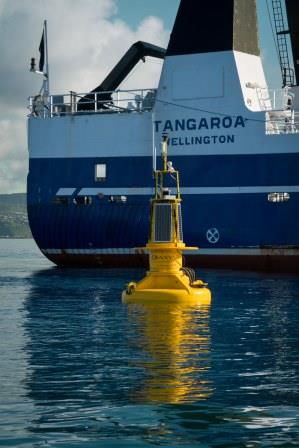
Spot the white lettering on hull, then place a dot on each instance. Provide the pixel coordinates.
(205, 140)
(192, 124)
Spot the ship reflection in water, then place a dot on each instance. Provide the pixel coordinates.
(176, 340)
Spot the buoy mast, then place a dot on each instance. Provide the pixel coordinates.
(167, 280)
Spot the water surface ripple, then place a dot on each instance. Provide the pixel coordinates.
(79, 369)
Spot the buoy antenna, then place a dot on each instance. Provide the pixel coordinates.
(165, 140)
(167, 171)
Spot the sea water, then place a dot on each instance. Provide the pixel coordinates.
(80, 369)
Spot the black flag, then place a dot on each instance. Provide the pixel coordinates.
(42, 53)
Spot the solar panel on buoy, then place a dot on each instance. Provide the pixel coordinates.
(163, 223)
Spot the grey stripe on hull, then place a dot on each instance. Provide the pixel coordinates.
(191, 190)
(213, 251)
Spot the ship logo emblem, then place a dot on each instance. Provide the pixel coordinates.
(213, 235)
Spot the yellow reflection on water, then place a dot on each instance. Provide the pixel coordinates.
(176, 343)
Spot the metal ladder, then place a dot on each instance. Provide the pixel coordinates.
(281, 32)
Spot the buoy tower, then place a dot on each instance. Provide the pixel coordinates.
(167, 280)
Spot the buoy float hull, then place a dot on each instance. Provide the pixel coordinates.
(195, 296)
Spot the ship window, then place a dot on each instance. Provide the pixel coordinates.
(278, 197)
(119, 199)
(60, 200)
(100, 172)
(83, 200)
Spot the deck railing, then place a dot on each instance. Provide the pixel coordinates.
(274, 99)
(281, 117)
(117, 101)
(282, 122)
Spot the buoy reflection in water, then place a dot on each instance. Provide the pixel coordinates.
(176, 342)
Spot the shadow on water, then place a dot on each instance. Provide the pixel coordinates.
(99, 370)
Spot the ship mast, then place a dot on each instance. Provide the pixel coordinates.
(43, 66)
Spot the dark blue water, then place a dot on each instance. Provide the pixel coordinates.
(79, 369)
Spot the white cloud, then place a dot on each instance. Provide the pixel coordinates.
(13, 154)
(86, 39)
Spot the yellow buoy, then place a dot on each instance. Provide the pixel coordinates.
(167, 280)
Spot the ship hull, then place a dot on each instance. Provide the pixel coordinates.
(236, 227)
(265, 260)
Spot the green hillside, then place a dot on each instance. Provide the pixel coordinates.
(13, 216)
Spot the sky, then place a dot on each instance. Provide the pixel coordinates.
(86, 39)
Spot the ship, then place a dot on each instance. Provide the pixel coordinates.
(234, 140)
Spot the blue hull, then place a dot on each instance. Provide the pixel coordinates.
(106, 232)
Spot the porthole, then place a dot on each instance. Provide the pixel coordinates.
(82, 200)
(118, 199)
(278, 197)
(60, 200)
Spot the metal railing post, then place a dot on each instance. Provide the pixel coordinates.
(30, 104)
(51, 106)
(73, 101)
